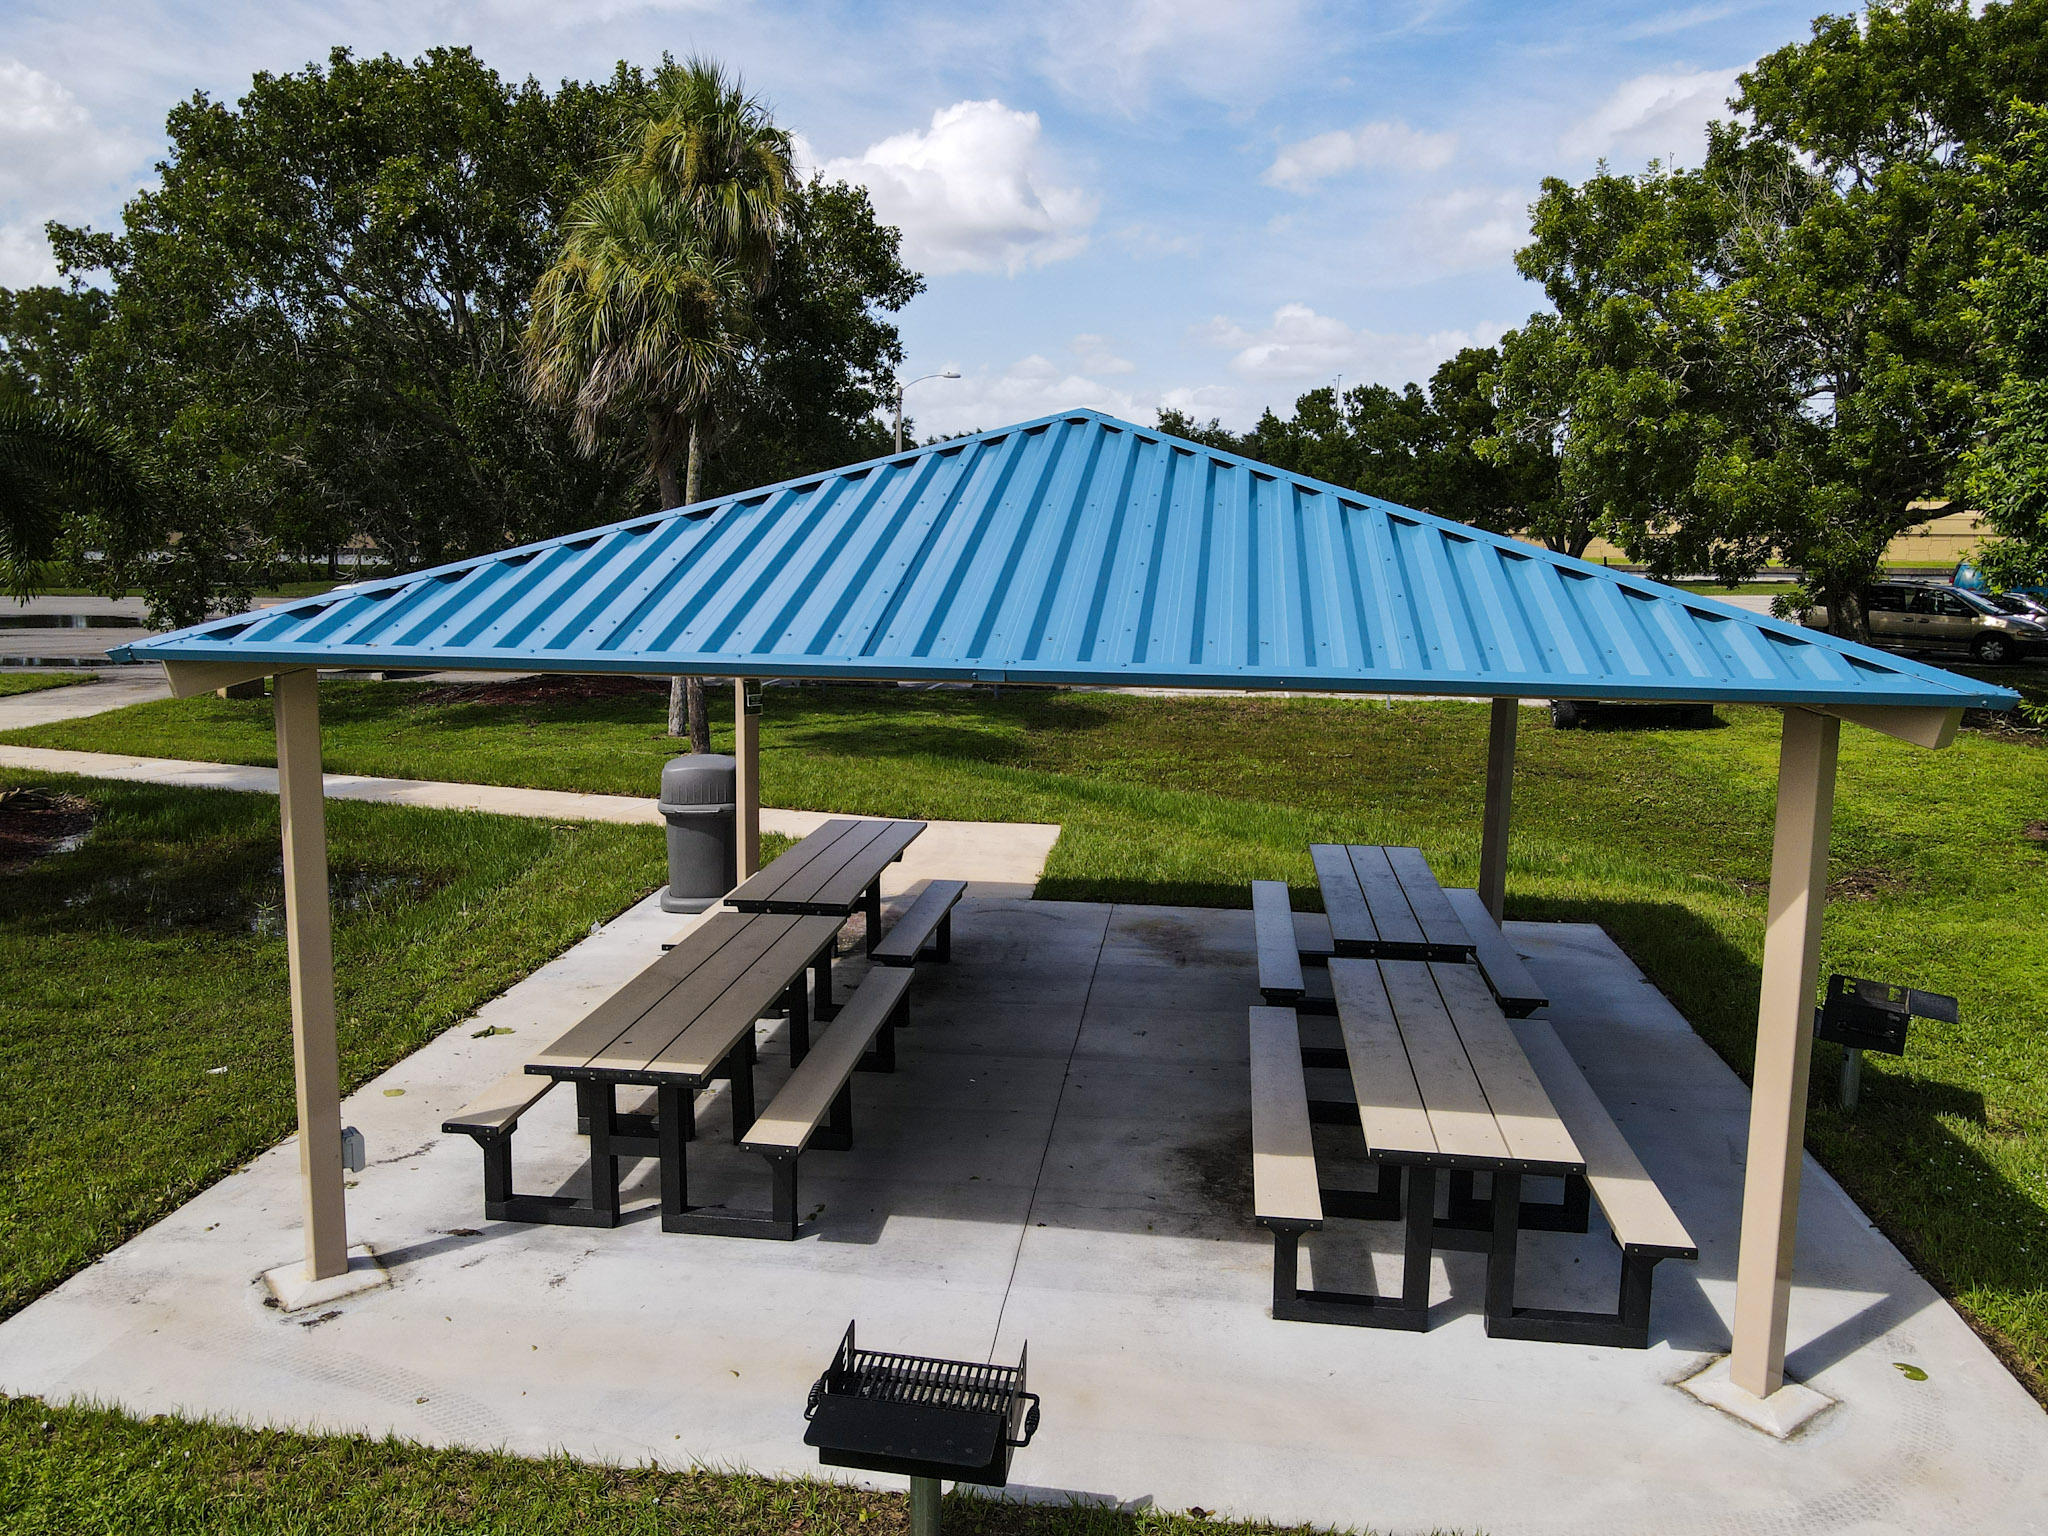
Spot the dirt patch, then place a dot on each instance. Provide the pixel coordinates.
(576, 688)
(2006, 725)
(1222, 1171)
(35, 823)
(1172, 939)
(2035, 832)
(1867, 885)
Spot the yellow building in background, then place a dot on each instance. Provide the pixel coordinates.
(1936, 544)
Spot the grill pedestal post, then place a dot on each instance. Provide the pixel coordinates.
(924, 1506)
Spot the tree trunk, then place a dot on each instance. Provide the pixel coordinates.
(677, 695)
(664, 460)
(693, 687)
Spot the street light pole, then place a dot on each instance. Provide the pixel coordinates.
(901, 386)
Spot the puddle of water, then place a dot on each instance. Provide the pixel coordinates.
(69, 621)
(256, 908)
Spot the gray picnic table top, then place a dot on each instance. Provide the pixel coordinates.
(831, 871)
(1385, 904)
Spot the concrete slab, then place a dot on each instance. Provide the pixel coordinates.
(116, 688)
(1042, 1167)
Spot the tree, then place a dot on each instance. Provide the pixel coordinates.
(1771, 357)
(2008, 470)
(45, 334)
(54, 467)
(1411, 446)
(315, 319)
(648, 304)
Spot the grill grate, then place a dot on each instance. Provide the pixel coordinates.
(912, 1413)
(885, 1378)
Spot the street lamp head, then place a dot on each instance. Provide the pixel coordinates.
(950, 373)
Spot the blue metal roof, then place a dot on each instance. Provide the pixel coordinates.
(1072, 549)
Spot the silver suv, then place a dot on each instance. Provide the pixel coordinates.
(1924, 616)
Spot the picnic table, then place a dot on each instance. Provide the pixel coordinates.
(1440, 1083)
(835, 870)
(688, 1020)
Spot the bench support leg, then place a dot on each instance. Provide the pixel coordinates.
(738, 1069)
(678, 1215)
(1627, 1327)
(1409, 1310)
(871, 903)
(798, 1000)
(836, 1134)
(881, 1056)
(822, 1006)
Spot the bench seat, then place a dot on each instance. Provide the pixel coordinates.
(491, 1118)
(1506, 976)
(1644, 1226)
(814, 1108)
(1290, 945)
(928, 917)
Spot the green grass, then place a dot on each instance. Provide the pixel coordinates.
(134, 966)
(1662, 837)
(91, 1472)
(35, 682)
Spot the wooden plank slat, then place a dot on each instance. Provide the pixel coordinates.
(1636, 1209)
(1529, 1123)
(617, 1013)
(1440, 924)
(717, 1027)
(1458, 1112)
(1390, 1107)
(1518, 991)
(1384, 896)
(763, 885)
(786, 1125)
(499, 1105)
(1284, 1183)
(1273, 928)
(803, 887)
(1350, 920)
(640, 1037)
(906, 937)
(866, 866)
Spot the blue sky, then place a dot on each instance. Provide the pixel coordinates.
(1117, 203)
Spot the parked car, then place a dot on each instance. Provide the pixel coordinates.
(1925, 616)
(2023, 605)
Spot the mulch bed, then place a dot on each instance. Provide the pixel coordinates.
(575, 688)
(35, 823)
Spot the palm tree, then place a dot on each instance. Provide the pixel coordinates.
(51, 460)
(706, 187)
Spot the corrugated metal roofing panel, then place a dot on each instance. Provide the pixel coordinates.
(1073, 549)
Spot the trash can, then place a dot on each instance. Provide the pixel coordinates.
(699, 803)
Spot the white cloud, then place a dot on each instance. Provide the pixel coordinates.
(973, 193)
(55, 161)
(1116, 53)
(1303, 345)
(1454, 231)
(1097, 357)
(1032, 386)
(1662, 114)
(1395, 146)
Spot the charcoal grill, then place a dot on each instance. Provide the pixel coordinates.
(920, 1417)
(1862, 1015)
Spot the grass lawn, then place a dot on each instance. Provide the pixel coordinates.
(1663, 837)
(82, 1471)
(135, 967)
(33, 682)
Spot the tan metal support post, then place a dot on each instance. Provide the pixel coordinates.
(309, 942)
(1784, 1049)
(1500, 793)
(746, 748)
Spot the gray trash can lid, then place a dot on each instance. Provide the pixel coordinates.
(701, 778)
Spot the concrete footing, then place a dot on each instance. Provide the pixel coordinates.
(293, 1292)
(1781, 1415)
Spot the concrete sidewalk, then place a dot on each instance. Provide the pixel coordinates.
(1062, 1157)
(997, 857)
